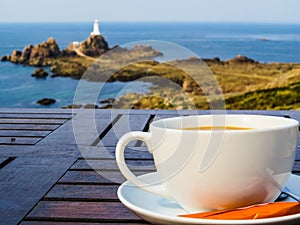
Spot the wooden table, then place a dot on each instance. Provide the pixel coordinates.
(57, 166)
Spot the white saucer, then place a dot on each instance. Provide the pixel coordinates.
(159, 210)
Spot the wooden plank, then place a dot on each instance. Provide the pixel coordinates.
(298, 153)
(147, 111)
(26, 150)
(294, 114)
(82, 211)
(84, 177)
(79, 223)
(296, 167)
(46, 127)
(164, 116)
(94, 177)
(109, 152)
(37, 110)
(25, 181)
(128, 111)
(61, 136)
(23, 133)
(135, 153)
(19, 140)
(256, 112)
(36, 115)
(31, 121)
(134, 165)
(82, 130)
(83, 192)
(94, 152)
(125, 124)
(2, 160)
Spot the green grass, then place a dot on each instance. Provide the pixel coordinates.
(275, 98)
(244, 86)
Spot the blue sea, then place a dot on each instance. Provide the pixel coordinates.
(262, 42)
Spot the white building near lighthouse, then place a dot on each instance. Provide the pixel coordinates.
(96, 30)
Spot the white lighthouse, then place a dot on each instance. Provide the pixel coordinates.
(96, 30)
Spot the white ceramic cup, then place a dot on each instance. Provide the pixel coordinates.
(217, 169)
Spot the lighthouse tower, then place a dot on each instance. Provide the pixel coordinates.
(96, 30)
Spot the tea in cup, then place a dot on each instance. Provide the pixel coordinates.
(209, 162)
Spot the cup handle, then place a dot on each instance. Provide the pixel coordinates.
(158, 189)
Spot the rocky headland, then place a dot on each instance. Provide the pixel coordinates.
(74, 60)
(46, 53)
(71, 62)
(244, 83)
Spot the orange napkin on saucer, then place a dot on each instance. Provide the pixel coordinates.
(268, 210)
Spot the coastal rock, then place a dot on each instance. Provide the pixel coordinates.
(27, 52)
(107, 101)
(108, 106)
(15, 56)
(39, 73)
(4, 58)
(16, 53)
(73, 106)
(46, 101)
(94, 46)
(35, 55)
(45, 50)
(242, 59)
(91, 106)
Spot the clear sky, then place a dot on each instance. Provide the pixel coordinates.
(269, 11)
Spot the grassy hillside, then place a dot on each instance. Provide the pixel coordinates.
(287, 97)
(245, 84)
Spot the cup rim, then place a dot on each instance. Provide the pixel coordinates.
(289, 123)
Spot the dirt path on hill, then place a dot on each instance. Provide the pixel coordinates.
(78, 52)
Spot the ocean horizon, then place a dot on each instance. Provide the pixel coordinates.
(265, 42)
(262, 42)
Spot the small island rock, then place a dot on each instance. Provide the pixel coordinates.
(46, 101)
(5, 58)
(107, 101)
(91, 106)
(39, 73)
